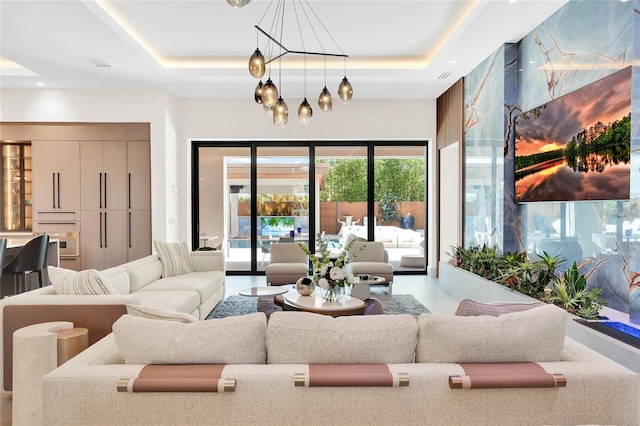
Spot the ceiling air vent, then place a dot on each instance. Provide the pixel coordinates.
(100, 63)
(444, 75)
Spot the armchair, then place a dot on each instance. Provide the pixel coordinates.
(373, 260)
(288, 263)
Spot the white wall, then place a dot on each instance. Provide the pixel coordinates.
(110, 106)
(175, 123)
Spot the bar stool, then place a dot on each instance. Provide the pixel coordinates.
(3, 249)
(31, 258)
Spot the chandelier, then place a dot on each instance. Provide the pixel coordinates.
(268, 94)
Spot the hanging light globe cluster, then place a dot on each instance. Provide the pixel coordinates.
(266, 94)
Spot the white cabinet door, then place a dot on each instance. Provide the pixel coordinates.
(139, 234)
(56, 176)
(115, 175)
(103, 174)
(91, 239)
(115, 238)
(139, 175)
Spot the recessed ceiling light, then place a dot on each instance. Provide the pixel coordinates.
(532, 62)
(454, 61)
(39, 83)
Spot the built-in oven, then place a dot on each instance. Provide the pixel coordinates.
(69, 243)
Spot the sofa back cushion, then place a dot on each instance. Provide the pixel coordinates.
(287, 253)
(307, 338)
(471, 308)
(231, 340)
(373, 252)
(534, 335)
(119, 279)
(143, 271)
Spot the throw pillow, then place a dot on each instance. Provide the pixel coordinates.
(231, 340)
(534, 335)
(469, 308)
(151, 312)
(86, 282)
(174, 257)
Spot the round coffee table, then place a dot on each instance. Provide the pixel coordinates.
(293, 301)
(266, 291)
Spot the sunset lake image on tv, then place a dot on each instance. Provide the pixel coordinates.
(577, 147)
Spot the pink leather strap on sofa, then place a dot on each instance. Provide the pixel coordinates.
(505, 375)
(179, 378)
(348, 375)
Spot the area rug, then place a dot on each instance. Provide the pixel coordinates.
(240, 305)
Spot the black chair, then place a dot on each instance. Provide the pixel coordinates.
(3, 249)
(31, 258)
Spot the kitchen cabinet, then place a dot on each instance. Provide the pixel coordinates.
(56, 185)
(56, 176)
(16, 187)
(115, 202)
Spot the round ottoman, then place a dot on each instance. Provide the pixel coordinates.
(412, 260)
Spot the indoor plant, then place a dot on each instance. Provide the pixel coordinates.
(330, 272)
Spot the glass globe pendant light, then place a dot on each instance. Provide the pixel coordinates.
(305, 112)
(345, 91)
(324, 101)
(280, 113)
(269, 93)
(256, 64)
(257, 94)
(239, 4)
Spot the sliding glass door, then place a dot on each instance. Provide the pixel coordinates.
(250, 195)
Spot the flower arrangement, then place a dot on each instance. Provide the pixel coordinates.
(329, 273)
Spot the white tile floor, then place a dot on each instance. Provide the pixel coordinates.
(422, 287)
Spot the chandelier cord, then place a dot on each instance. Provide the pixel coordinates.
(304, 48)
(280, 56)
(323, 26)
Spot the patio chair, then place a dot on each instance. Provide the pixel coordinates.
(373, 260)
(288, 263)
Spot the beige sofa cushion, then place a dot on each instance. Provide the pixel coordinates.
(143, 271)
(534, 335)
(307, 338)
(231, 340)
(119, 279)
(87, 282)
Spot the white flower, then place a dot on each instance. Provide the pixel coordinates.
(337, 274)
(323, 270)
(322, 282)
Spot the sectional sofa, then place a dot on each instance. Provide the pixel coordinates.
(140, 282)
(291, 371)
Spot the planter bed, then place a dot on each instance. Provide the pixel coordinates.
(460, 284)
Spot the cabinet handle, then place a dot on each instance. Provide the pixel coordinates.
(129, 229)
(101, 196)
(53, 188)
(105, 193)
(59, 206)
(129, 190)
(100, 227)
(106, 238)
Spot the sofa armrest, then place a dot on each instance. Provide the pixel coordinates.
(208, 261)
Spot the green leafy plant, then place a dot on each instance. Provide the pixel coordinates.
(536, 279)
(570, 292)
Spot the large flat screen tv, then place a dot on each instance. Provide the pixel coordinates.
(577, 147)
